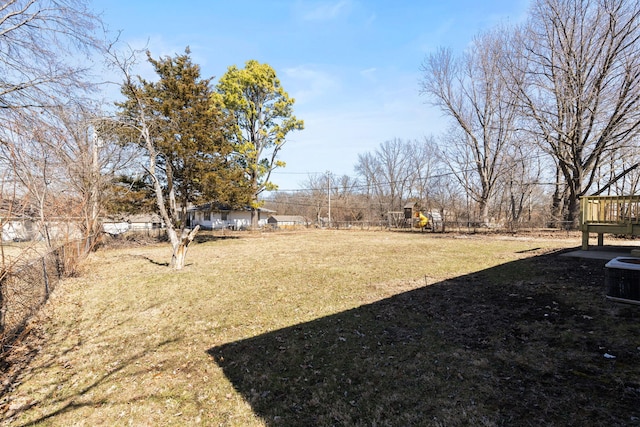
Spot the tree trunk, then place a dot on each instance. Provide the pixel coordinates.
(484, 212)
(255, 217)
(180, 246)
(573, 209)
(556, 209)
(573, 214)
(516, 209)
(559, 194)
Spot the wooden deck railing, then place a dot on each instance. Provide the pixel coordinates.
(609, 214)
(610, 209)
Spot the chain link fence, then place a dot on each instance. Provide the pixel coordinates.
(25, 287)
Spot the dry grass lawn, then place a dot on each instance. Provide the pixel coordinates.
(332, 328)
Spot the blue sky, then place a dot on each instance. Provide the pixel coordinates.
(353, 66)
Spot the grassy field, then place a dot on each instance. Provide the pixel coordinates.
(21, 251)
(332, 328)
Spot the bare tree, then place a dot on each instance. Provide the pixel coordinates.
(525, 171)
(314, 200)
(90, 158)
(619, 172)
(447, 197)
(62, 167)
(345, 203)
(42, 45)
(288, 203)
(386, 174)
(423, 162)
(368, 169)
(471, 90)
(577, 77)
(24, 154)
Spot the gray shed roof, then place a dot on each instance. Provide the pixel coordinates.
(286, 218)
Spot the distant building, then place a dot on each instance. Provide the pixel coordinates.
(17, 221)
(215, 216)
(139, 222)
(287, 221)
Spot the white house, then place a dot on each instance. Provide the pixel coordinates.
(17, 221)
(18, 229)
(214, 216)
(139, 222)
(145, 222)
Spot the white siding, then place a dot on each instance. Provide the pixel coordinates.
(236, 220)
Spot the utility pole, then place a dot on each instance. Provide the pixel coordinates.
(94, 197)
(329, 195)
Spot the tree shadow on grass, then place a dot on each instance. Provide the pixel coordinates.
(69, 389)
(152, 261)
(518, 344)
(69, 403)
(205, 237)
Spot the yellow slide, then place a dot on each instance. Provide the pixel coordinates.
(423, 221)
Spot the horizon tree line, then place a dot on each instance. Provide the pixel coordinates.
(541, 114)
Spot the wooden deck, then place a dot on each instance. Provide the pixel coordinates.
(609, 214)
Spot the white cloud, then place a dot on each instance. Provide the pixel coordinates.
(306, 83)
(323, 11)
(369, 74)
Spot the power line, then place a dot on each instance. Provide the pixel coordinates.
(377, 184)
(357, 185)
